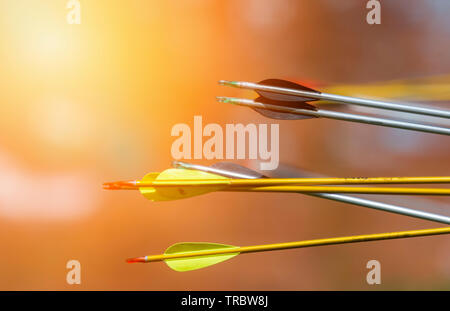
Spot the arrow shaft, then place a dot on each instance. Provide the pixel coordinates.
(247, 187)
(384, 207)
(209, 169)
(302, 244)
(344, 117)
(329, 196)
(355, 190)
(383, 122)
(386, 105)
(346, 99)
(343, 240)
(287, 181)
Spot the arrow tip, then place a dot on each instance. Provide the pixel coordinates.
(228, 83)
(110, 186)
(177, 164)
(183, 165)
(118, 185)
(222, 99)
(137, 259)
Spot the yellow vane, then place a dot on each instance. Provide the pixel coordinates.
(159, 193)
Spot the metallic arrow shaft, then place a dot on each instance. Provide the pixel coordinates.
(342, 99)
(385, 105)
(383, 122)
(335, 197)
(340, 116)
(385, 207)
(209, 169)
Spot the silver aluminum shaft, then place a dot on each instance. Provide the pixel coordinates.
(214, 170)
(340, 99)
(334, 197)
(339, 116)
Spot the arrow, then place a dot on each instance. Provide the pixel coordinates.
(233, 170)
(282, 90)
(190, 256)
(181, 179)
(286, 111)
(173, 184)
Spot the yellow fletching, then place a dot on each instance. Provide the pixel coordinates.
(176, 192)
(194, 263)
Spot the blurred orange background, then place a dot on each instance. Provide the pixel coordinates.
(95, 102)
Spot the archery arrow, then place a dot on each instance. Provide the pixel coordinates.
(190, 256)
(282, 90)
(233, 170)
(173, 184)
(286, 111)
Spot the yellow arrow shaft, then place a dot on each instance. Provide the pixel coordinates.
(323, 189)
(292, 181)
(301, 244)
(356, 190)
